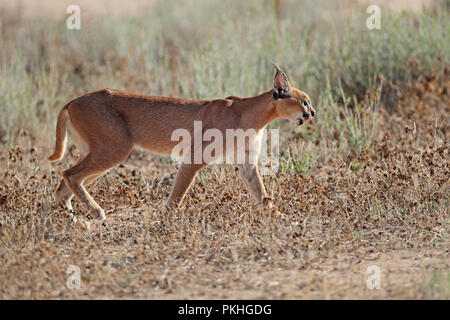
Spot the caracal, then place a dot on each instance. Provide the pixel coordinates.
(107, 124)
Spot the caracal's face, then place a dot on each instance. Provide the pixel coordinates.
(296, 107)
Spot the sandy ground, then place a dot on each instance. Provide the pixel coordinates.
(341, 276)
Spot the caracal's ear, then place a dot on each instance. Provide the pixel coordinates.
(281, 86)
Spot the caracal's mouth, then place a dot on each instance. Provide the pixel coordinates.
(302, 121)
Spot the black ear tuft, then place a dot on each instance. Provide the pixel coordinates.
(281, 86)
(276, 67)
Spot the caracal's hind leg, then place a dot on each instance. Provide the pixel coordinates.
(104, 138)
(185, 176)
(63, 192)
(89, 168)
(65, 195)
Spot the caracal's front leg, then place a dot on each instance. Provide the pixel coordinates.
(250, 173)
(185, 176)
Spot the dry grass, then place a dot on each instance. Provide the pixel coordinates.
(390, 210)
(365, 184)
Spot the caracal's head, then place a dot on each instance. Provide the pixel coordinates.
(291, 103)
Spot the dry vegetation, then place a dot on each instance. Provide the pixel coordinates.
(367, 183)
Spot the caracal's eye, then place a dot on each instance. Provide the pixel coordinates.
(305, 103)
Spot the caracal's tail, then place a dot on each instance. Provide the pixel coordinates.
(61, 135)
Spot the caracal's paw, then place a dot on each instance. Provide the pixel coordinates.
(267, 202)
(98, 214)
(268, 206)
(72, 215)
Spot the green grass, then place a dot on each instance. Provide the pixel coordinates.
(203, 50)
(303, 163)
(437, 285)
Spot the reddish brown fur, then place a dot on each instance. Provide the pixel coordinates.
(107, 124)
